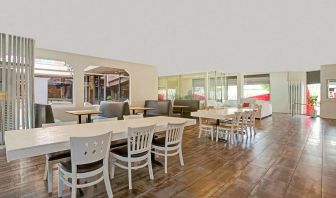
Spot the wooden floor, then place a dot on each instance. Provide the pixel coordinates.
(289, 157)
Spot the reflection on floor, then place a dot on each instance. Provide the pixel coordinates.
(289, 157)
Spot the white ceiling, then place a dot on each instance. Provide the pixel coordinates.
(183, 36)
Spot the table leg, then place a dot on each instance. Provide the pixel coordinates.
(133, 111)
(89, 118)
(79, 119)
(181, 112)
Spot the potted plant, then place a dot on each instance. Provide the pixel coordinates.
(313, 102)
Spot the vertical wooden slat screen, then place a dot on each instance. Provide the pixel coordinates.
(296, 97)
(17, 82)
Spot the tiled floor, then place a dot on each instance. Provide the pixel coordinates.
(289, 157)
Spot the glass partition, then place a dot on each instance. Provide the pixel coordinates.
(208, 87)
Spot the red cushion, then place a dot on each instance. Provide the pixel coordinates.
(245, 104)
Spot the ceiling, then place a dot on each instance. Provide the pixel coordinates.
(184, 36)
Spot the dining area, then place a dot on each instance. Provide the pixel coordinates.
(90, 150)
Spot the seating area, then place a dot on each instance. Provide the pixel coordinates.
(182, 99)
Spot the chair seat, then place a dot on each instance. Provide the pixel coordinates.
(66, 165)
(122, 151)
(227, 125)
(118, 143)
(161, 142)
(58, 155)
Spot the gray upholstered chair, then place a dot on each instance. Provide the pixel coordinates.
(160, 108)
(113, 109)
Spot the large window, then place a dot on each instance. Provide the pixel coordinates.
(53, 82)
(105, 83)
(257, 86)
(231, 82)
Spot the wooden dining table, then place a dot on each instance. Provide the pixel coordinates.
(218, 114)
(40, 141)
(144, 109)
(79, 113)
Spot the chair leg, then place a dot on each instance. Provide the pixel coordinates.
(112, 169)
(50, 178)
(73, 187)
(129, 175)
(199, 133)
(46, 168)
(107, 181)
(166, 162)
(181, 157)
(217, 135)
(212, 134)
(150, 168)
(60, 184)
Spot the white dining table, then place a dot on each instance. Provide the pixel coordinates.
(40, 141)
(218, 114)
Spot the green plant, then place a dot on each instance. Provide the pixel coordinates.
(313, 101)
(109, 98)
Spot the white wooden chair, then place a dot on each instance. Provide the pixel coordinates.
(53, 158)
(138, 149)
(231, 127)
(105, 119)
(136, 116)
(171, 144)
(244, 123)
(206, 128)
(251, 122)
(89, 158)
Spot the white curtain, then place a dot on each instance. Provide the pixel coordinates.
(17, 82)
(296, 94)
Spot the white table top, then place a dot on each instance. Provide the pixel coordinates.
(33, 142)
(220, 114)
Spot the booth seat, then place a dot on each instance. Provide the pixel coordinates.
(193, 105)
(160, 108)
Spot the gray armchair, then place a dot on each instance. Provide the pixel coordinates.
(113, 109)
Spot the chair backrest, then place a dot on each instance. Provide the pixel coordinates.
(114, 109)
(237, 117)
(105, 119)
(246, 116)
(86, 150)
(253, 116)
(59, 124)
(129, 117)
(174, 133)
(139, 139)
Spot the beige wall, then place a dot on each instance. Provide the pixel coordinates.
(143, 78)
(328, 106)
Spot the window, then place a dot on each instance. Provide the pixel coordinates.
(198, 89)
(105, 83)
(257, 86)
(53, 82)
(231, 82)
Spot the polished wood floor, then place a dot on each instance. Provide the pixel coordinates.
(289, 157)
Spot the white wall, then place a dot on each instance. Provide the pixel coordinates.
(143, 78)
(279, 92)
(328, 106)
(41, 90)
